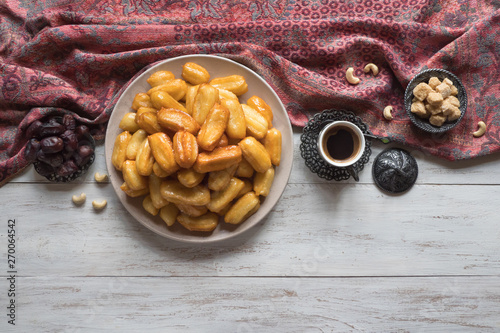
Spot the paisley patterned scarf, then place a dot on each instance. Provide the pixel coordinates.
(75, 56)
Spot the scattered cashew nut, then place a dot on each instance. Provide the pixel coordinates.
(99, 205)
(79, 199)
(387, 112)
(481, 130)
(371, 67)
(349, 75)
(100, 178)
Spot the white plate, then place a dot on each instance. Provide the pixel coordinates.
(217, 67)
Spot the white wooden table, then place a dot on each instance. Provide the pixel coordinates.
(331, 257)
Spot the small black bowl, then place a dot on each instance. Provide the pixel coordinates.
(424, 76)
(53, 177)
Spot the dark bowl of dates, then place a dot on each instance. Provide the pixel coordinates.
(61, 149)
(457, 91)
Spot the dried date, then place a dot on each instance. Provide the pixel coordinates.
(52, 144)
(69, 122)
(70, 140)
(33, 130)
(82, 131)
(67, 168)
(51, 128)
(45, 169)
(54, 160)
(83, 154)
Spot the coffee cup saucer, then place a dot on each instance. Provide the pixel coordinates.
(309, 144)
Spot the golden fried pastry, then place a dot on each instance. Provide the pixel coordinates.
(262, 182)
(190, 96)
(205, 99)
(162, 99)
(132, 178)
(148, 121)
(207, 222)
(157, 170)
(213, 127)
(247, 187)
(255, 153)
(189, 177)
(135, 143)
(262, 107)
(141, 110)
(217, 180)
(154, 192)
(242, 208)
(177, 120)
(185, 149)
(193, 211)
(141, 100)
(133, 193)
(218, 159)
(169, 214)
(223, 141)
(127, 123)
(175, 192)
(176, 88)
(226, 94)
(119, 154)
(144, 159)
(245, 169)
(220, 199)
(234, 83)
(160, 77)
(163, 152)
(272, 142)
(194, 73)
(256, 124)
(236, 125)
(147, 204)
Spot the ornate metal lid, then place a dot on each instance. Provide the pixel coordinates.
(395, 170)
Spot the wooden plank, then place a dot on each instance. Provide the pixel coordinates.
(137, 304)
(315, 230)
(432, 170)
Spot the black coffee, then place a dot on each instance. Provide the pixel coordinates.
(341, 143)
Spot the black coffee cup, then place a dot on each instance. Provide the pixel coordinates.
(341, 144)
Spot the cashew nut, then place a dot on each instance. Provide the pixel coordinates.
(371, 67)
(79, 200)
(481, 130)
(100, 178)
(349, 75)
(387, 112)
(99, 205)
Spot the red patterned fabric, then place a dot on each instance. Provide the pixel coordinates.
(74, 56)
